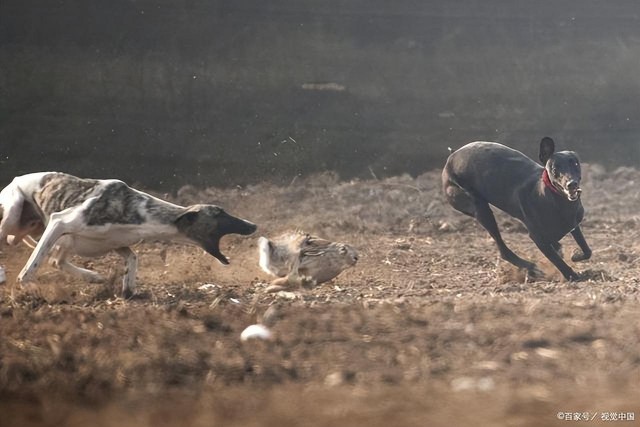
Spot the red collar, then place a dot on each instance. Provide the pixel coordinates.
(547, 182)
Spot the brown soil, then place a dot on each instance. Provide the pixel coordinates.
(429, 328)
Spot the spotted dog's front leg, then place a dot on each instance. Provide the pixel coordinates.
(129, 280)
(60, 223)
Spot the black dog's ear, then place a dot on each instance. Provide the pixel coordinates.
(547, 147)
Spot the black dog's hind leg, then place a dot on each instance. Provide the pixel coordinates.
(584, 247)
(459, 198)
(463, 201)
(485, 217)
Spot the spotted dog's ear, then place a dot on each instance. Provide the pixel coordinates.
(187, 217)
(30, 219)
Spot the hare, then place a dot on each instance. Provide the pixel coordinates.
(300, 259)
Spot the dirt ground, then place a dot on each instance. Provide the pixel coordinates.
(430, 328)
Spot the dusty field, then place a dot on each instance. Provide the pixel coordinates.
(429, 329)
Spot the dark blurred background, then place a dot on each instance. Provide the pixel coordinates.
(222, 93)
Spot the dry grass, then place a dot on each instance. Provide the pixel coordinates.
(430, 322)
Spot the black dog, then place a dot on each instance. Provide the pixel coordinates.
(546, 199)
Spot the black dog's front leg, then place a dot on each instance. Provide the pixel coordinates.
(584, 247)
(552, 255)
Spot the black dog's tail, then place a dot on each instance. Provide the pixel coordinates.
(457, 194)
(449, 178)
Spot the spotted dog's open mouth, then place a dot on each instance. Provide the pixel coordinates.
(220, 257)
(214, 249)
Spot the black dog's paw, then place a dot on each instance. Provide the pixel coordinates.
(535, 273)
(578, 256)
(575, 277)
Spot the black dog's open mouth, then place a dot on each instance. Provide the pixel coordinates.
(573, 194)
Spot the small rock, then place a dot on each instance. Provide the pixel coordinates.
(287, 295)
(463, 384)
(485, 384)
(547, 353)
(520, 355)
(257, 331)
(445, 226)
(489, 365)
(471, 384)
(334, 379)
(208, 287)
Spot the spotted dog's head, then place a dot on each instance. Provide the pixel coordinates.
(207, 224)
(30, 224)
(562, 169)
(18, 217)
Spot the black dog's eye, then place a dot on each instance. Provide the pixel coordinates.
(554, 171)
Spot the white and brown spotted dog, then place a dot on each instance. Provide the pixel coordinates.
(90, 217)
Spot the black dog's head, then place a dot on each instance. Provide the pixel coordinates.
(563, 169)
(206, 224)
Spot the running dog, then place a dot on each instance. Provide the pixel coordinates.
(90, 217)
(545, 198)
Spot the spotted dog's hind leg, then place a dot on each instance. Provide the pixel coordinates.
(129, 280)
(29, 241)
(60, 223)
(58, 259)
(85, 274)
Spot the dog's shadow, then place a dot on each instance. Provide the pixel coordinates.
(507, 273)
(55, 288)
